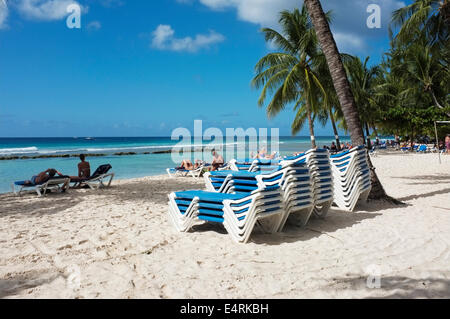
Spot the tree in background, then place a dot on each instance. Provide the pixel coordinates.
(290, 75)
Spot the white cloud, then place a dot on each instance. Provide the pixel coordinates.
(3, 14)
(163, 38)
(46, 10)
(349, 16)
(348, 42)
(94, 25)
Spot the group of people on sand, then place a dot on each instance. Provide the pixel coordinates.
(84, 172)
(334, 148)
(442, 146)
(216, 163)
(262, 154)
(218, 160)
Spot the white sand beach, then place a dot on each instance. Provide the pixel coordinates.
(119, 243)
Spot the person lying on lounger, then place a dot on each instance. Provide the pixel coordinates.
(187, 165)
(217, 161)
(43, 177)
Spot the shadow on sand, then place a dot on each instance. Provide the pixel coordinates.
(335, 220)
(400, 287)
(13, 286)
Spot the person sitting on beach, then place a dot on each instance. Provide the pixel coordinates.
(84, 168)
(333, 147)
(348, 146)
(43, 177)
(217, 161)
(262, 153)
(271, 156)
(84, 171)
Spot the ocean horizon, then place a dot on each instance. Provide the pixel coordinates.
(130, 157)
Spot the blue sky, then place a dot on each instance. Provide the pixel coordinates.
(143, 68)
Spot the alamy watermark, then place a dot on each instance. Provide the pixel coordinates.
(73, 21)
(233, 143)
(374, 19)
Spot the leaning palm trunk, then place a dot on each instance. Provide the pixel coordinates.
(311, 126)
(369, 143)
(436, 102)
(342, 86)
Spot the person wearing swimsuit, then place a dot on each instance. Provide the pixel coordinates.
(43, 177)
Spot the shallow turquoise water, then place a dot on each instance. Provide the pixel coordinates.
(123, 166)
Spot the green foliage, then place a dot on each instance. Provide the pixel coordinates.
(403, 95)
(295, 74)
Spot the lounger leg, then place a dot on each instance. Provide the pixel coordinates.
(110, 180)
(65, 186)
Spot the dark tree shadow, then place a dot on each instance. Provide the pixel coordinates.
(439, 192)
(426, 179)
(316, 227)
(31, 205)
(398, 287)
(12, 286)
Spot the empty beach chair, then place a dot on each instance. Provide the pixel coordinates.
(60, 184)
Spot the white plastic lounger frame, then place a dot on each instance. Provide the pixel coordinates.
(256, 210)
(98, 182)
(58, 184)
(351, 178)
(173, 172)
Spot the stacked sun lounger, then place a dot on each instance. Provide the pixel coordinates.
(319, 164)
(292, 175)
(238, 212)
(351, 176)
(297, 191)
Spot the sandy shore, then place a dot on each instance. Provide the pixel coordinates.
(119, 243)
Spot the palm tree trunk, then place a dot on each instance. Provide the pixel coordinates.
(369, 143)
(340, 81)
(342, 86)
(375, 130)
(336, 135)
(436, 102)
(311, 126)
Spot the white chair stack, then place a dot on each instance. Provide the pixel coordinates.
(238, 212)
(351, 175)
(297, 191)
(322, 180)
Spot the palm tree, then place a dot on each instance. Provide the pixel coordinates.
(430, 18)
(362, 80)
(342, 86)
(290, 75)
(424, 67)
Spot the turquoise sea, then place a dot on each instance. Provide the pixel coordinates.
(128, 166)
